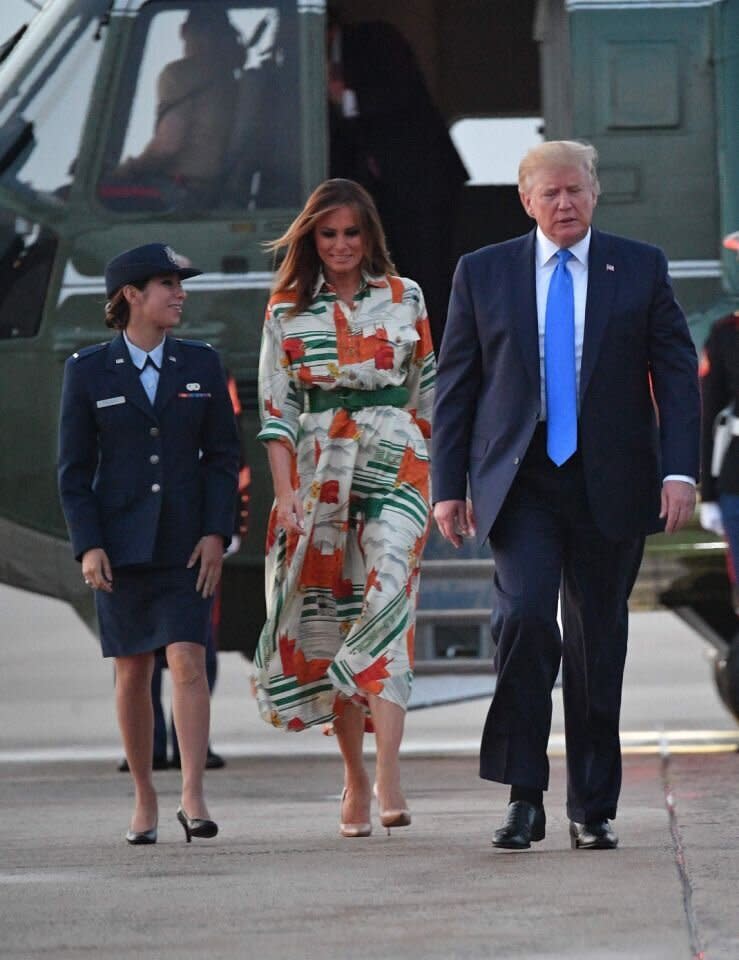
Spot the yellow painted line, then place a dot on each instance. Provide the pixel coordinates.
(676, 741)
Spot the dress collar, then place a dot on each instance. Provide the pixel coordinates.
(368, 280)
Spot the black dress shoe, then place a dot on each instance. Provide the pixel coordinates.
(213, 761)
(137, 838)
(523, 823)
(594, 835)
(195, 827)
(157, 763)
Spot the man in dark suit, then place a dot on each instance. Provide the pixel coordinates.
(567, 395)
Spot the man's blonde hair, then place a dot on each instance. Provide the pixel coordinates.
(558, 153)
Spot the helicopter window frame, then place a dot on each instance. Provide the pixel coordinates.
(136, 74)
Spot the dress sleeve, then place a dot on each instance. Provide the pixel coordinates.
(279, 401)
(422, 373)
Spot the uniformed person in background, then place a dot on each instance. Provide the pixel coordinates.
(148, 467)
(719, 377)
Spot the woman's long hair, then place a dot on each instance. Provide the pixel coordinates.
(299, 270)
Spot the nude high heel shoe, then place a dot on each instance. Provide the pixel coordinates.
(352, 829)
(392, 818)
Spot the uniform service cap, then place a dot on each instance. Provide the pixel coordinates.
(140, 263)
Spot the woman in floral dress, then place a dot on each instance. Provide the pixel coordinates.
(346, 389)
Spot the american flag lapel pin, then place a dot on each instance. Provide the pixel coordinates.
(609, 266)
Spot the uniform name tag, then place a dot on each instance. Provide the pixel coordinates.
(110, 402)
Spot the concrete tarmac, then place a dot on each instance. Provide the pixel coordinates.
(278, 881)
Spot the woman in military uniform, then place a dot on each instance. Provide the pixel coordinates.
(148, 464)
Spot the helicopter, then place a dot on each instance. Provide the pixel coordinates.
(651, 85)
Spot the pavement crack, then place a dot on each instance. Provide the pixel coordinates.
(678, 849)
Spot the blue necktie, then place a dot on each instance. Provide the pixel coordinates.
(559, 363)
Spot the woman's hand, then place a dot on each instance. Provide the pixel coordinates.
(96, 569)
(209, 551)
(288, 505)
(289, 509)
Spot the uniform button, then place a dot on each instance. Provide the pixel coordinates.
(154, 431)
(154, 458)
(517, 460)
(155, 488)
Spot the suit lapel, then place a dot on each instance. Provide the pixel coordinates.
(173, 362)
(524, 313)
(602, 269)
(127, 375)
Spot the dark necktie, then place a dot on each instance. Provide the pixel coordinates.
(559, 363)
(149, 381)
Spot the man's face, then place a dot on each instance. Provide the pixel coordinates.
(561, 200)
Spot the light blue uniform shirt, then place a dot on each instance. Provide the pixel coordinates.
(149, 375)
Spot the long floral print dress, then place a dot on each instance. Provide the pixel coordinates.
(341, 597)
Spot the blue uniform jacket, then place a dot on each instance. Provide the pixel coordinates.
(146, 482)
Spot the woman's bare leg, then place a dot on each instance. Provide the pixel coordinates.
(191, 710)
(136, 722)
(388, 719)
(349, 729)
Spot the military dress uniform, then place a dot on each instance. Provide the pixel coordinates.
(145, 479)
(719, 377)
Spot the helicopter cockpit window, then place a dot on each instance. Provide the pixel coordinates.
(46, 103)
(205, 116)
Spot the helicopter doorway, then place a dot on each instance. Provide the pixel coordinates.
(400, 78)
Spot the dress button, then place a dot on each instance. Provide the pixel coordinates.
(154, 458)
(155, 488)
(153, 431)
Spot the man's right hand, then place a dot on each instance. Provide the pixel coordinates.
(455, 519)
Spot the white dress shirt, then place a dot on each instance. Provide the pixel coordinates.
(546, 261)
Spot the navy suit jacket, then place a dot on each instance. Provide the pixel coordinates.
(638, 395)
(146, 482)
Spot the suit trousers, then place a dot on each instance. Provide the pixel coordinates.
(547, 546)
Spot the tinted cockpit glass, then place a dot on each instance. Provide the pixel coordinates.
(204, 116)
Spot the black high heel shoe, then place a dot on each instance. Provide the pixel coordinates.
(195, 827)
(138, 837)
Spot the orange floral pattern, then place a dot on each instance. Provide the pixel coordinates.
(341, 597)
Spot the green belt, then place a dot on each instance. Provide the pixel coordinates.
(320, 400)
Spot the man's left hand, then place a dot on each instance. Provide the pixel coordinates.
(678, 504)
(209, 550)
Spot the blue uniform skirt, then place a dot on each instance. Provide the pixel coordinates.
(149, 608)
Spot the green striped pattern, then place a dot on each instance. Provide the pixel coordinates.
(347, 596)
